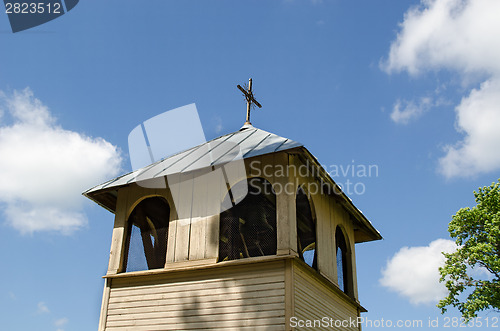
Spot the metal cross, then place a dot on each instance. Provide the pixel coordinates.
(250, 99)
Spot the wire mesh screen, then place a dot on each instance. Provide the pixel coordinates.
(146, 243)
(340, 269)
(306, 230)
(341, 253)
(249, 228)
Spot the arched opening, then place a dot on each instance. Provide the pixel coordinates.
(306, 229)
(343, 267)
(249, 228)
(146, 243)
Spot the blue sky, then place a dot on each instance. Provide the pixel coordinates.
(412, 87)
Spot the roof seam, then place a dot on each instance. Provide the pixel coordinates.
(181, 158)
(277, 148)
(144, 170)
(253, 148)
(208, 151)
(233, 147)
(229, 135)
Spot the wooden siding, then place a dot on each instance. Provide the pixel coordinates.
(250, 297)
(314, 300)
(329, 214)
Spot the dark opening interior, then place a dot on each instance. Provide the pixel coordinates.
(146, 244)
(341, 253)
(306, 230)
(249, 228)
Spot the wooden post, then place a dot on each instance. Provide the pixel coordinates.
(119, 233)
(286, 215)
(104, 304)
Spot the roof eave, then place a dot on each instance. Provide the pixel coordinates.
(371, 233)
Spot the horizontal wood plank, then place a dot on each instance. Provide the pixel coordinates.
(177, 304)
(242, 297)
(274, 324)
(260, 318)
(214, 313)
(196, 285)
(314, 300)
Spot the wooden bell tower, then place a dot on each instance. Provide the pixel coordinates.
(258, 246)
(244, 232)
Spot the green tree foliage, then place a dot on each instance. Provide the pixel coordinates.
(472, 272)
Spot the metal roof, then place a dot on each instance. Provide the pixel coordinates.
(245, 143)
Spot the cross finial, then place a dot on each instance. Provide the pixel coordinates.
(250, 99)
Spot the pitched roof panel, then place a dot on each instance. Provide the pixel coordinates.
(247, 142)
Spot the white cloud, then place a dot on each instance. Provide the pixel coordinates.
(41, 218)
(413, 272)
(478, 116)
(404, 111)
(460, 36)
(454, 34)
(59, 323)
(44, 168)
(42, 308)
(218, 125)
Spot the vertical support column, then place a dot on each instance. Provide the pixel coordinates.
(216, 193)
(353, 265)
(104, 305)
(285, 188)
(198, 217)
(184, 209)
(119, 233)
(325, 237)
(173, 183)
